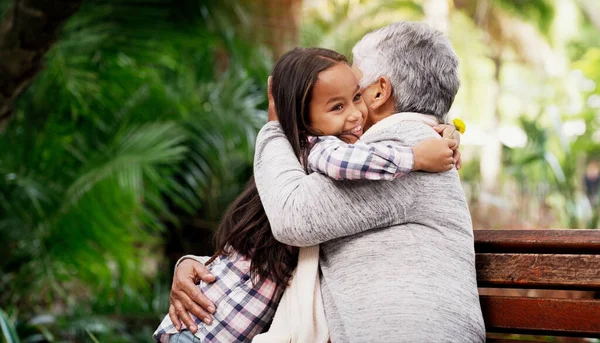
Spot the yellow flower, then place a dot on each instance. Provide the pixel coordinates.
(460, 125)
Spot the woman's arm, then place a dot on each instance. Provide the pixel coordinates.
(306, 210)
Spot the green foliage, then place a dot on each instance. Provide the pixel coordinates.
(589, 64)
(538, 12)
(348, 21)
(146, 112)
(552, 157)
(7, 329)
(580, 46)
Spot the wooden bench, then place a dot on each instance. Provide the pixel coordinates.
(561, 260)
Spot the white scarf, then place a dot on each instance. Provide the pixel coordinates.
(300, 316)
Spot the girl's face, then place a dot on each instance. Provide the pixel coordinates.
(337, 107)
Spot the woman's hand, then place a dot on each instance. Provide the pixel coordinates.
(450, 131)
(186, 297)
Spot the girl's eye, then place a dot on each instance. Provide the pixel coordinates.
(357, 97)
(337, 107)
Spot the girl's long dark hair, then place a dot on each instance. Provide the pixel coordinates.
(245, 227)
(293, 80)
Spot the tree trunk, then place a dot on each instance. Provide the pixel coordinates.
(491, 155)
(26, 33)
(281, 24)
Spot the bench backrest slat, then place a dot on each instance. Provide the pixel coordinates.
(542, 241)
(541, 271)
(542, 316)
(540, 259)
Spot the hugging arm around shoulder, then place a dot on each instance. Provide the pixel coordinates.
(306, 210)
(383, 160)
(236, 296)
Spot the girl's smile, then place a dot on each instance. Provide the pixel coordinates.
(357, 131)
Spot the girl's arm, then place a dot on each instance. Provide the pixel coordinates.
(306, 210)
(379, 160)
(385, 160)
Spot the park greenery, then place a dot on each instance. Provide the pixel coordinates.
(128, 146)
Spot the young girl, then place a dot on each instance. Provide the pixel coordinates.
(319, 98)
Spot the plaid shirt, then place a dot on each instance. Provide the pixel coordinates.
(243, 308)
(384, 160)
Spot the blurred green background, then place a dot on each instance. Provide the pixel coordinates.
(128, 145)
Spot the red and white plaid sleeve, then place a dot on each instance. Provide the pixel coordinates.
(384, 160)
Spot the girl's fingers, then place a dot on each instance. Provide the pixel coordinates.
(457, 159)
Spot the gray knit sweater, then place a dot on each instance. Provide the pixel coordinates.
(397, 257)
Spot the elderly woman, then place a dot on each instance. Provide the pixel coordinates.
(397, 257)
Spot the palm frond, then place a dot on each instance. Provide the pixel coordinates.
(126, 157)
(117, 137)
(9, 334)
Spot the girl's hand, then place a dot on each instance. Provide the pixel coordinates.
(186, 297)
(434, 155)
(272, 112)
(450, 132)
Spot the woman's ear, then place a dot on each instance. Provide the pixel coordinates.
(382, 92)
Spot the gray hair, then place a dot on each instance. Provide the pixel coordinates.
(418, 60)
